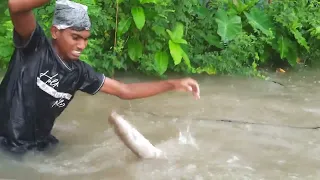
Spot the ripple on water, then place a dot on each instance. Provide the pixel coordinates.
(198, 148)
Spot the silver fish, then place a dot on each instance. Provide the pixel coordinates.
(133, 139)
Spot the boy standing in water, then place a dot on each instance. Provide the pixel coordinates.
(44, 74)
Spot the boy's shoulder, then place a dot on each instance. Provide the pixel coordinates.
(38, 39)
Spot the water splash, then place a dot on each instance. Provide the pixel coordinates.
(187, 138)
(233, 159)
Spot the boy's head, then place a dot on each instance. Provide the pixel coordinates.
(70, 29)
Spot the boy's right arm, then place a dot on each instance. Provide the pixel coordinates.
(22, 17)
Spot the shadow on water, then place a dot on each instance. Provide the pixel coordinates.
(241, 128)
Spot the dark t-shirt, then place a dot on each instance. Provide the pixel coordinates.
(37, 87)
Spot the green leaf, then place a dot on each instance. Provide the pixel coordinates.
(178, 31)
(292, 57)
(148, 1)
(208, 69)
(283, 47)
(180, 41)
(301, 40)
(3, 6)
(315, 31)
(202, 11)
(124, 26)
(228, 27)
(159, 30)
(177, 34)
(138, 16)
(260, 20)
(170, 34)
(186, 59)
(176, 52)
(214, 40)
(161, 61)
(134, 49)
(287, 49)
(175, 38)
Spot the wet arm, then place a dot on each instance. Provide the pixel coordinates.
(136, 90)
(22, 17)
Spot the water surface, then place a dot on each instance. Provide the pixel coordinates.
(241, 128)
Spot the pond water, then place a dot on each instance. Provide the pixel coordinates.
(241, 128)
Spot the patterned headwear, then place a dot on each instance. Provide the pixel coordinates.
(70, 14)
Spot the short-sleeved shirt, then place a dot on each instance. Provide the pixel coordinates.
(35, 90)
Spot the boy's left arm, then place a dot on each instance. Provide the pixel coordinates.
(147, 89)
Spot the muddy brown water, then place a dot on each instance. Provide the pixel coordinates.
(241, 128)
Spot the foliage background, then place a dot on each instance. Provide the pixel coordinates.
(194, 36)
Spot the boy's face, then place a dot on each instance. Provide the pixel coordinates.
(70, 43)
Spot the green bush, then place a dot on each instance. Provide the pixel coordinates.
(212, 36)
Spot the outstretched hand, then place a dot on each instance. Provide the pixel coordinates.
(187, 85)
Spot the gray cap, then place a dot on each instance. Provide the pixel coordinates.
(71, 14)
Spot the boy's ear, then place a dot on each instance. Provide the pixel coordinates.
(54, 32)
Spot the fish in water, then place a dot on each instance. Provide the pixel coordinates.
(133, 139)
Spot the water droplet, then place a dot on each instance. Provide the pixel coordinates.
(234, 158)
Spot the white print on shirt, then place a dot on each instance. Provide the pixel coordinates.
(59, 103)
(50, 80)
(48, 83)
